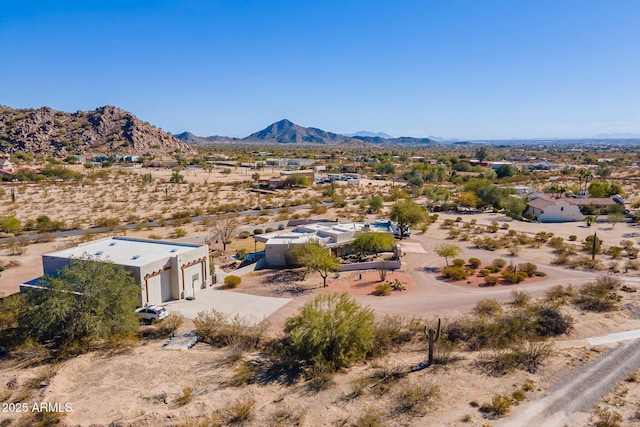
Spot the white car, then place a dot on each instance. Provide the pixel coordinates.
(151, 313)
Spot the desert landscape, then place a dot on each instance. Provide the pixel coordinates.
(134, 382)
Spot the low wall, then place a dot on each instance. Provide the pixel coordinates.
(372, 265)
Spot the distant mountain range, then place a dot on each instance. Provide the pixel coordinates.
(106, 130)
(367, 133)
(287, 132)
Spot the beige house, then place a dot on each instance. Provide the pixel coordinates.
(164, 270)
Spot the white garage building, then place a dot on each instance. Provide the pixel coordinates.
(165, 270)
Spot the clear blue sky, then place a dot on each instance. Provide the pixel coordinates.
(470, 69)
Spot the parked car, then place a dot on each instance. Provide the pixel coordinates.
(151, 313)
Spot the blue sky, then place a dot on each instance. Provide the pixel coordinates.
(469, 69)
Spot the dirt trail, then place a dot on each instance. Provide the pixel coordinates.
(580, 390)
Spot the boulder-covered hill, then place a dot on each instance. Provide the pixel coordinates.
(106, 130)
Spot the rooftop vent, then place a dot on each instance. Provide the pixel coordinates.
(112, 244)
(135, 257)
(173, 250)
(98, 253)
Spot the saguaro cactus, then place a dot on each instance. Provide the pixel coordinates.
(432, 336)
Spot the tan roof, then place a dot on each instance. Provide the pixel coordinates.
(540, 203)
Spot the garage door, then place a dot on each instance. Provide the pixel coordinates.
(165, 282)
(159, 288)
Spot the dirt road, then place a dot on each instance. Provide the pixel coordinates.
(580, 390)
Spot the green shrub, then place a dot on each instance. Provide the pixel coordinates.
(550, 322)
(494, 268)
(499, 262)
(484, 272)
(232, 281)
(241, 254)
(556, 242)
(382, 289)
(455, 273)
(514, 278)
(269, 230)
(529, 268)
(244, 234)
(475, 263)
(573, 238)
(332, 329)
(258, 231)
(491, 280)
(458, 262)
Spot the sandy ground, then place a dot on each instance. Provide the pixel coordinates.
(140, 386)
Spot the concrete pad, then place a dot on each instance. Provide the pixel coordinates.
(228, 302)
(181, 341)
(413, 247)
(617, 337)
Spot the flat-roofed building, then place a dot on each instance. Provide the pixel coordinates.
(164, 270)
(335, 236)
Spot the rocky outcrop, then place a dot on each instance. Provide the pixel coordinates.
(106, 130)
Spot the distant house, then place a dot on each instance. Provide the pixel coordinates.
(164, 163)
(498, 165)
(335, 236)
(545, 210)
(567, 209)
(309, 173)
(6, 167)
(540, 166)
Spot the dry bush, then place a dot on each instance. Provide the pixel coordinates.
(221, 330)
(487, 307)
(169, 325)
(598, 297)
(185, 397)
(520, 298)
(414, 398)
(243, 374)
(394, 331)
(500, 406)
(559, 295)
(604, 417)
(242, 411)
(287, 416)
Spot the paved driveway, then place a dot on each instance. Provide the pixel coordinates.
(229, 302)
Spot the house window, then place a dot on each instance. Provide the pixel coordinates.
(561, 208)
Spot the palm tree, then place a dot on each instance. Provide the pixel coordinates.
(584, 175)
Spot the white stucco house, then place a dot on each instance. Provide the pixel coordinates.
(336, 236)
(164, 270)
(545, 210)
